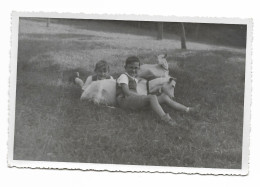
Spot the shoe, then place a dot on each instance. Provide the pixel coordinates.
(194, 110)
(168, 120)
(73, 77)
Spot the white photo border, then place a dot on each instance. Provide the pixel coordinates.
(131, 168)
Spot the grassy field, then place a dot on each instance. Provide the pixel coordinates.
(52, 124)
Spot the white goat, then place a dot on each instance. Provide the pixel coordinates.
(104, 91)
(152, 71)
(101, 92)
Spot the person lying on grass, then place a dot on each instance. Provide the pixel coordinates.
(101, 72)
(128, 98)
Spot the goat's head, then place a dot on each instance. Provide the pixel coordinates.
(168, 87)
(162, 61)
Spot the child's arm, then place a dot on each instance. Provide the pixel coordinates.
(123, 82)
(126, 90)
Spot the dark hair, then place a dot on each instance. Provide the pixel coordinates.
(131, 60)
(100, 64)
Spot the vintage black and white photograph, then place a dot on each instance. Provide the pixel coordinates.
(120, 93)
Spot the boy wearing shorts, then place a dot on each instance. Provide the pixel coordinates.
(128, 98)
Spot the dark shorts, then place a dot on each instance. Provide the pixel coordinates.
(134, 102)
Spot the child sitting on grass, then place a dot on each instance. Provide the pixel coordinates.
(101, 72)
(128, 98)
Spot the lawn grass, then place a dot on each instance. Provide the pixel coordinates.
(52, 124)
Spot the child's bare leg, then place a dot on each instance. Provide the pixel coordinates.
(173, 104)
(79, 82)
(155, 105)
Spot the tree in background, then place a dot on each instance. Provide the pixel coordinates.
(138, 24)
(183, 37)
(48, 22)
(160, 31)
(197, 28)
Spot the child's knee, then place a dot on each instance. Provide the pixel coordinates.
(152, 97)
(164, 98)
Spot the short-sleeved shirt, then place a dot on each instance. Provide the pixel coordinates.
(132, 102)
(130, 81)
(92, 78)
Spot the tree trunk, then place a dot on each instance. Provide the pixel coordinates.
(48, 22)
(197, 31)
(183, 37)
(160, 31)
(139, 24)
